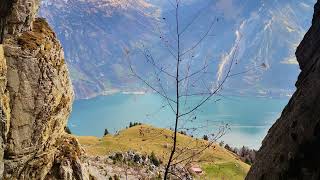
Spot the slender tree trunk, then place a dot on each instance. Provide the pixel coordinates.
(177, 97)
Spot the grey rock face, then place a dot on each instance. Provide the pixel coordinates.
(291, 148)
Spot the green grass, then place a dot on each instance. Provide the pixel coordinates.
(216, 161)
(227, 170)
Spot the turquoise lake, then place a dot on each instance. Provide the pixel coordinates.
(249, 118)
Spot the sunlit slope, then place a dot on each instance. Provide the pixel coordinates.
(216, 161)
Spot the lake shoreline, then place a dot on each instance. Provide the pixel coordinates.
(249, 124)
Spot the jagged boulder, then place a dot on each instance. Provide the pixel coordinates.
(291, 148)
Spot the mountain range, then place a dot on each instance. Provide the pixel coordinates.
(98, 34)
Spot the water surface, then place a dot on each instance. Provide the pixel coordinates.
(248, 117)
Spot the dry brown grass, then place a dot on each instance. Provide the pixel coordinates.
(146, 139)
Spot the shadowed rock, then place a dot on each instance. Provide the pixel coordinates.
(291, 148)
(5, 7)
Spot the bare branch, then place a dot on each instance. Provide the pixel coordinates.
(167, 99)
(217, 89)
(199, 13)
(194, 73)
(150, 86)
(201, 39)
(244, 72)
(166, 43)
(221, 133)
(151, 60)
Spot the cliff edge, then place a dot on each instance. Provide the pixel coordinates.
(291, 148)
(35, 99)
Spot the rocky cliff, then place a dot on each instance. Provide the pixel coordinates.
(291, 148)
(35, 100)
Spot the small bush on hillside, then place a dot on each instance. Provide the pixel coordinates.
(221, 143)
(227, 147)
(136, 158)
(205, 137)
(154, 160)
(118, 157)
(134, 124)
(246, 155)
(248, 161)
(106, 132)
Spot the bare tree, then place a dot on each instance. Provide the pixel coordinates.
(189, 82)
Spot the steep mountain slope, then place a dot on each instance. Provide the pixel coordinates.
(269, 37)
(94, 35)
(291, 148)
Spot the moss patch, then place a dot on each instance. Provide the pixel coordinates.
(39, 35)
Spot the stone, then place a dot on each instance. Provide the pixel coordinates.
(291, 148)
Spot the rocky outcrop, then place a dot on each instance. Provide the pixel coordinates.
(35, 101)
(21, 16)
(4, 104)
(291, 148)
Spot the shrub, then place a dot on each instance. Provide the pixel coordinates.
(154, 160)
(118, 157)
(134, 124)
(227, 147)
(136, 158)
(205, 137)
(221, 143)
(106, 132)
